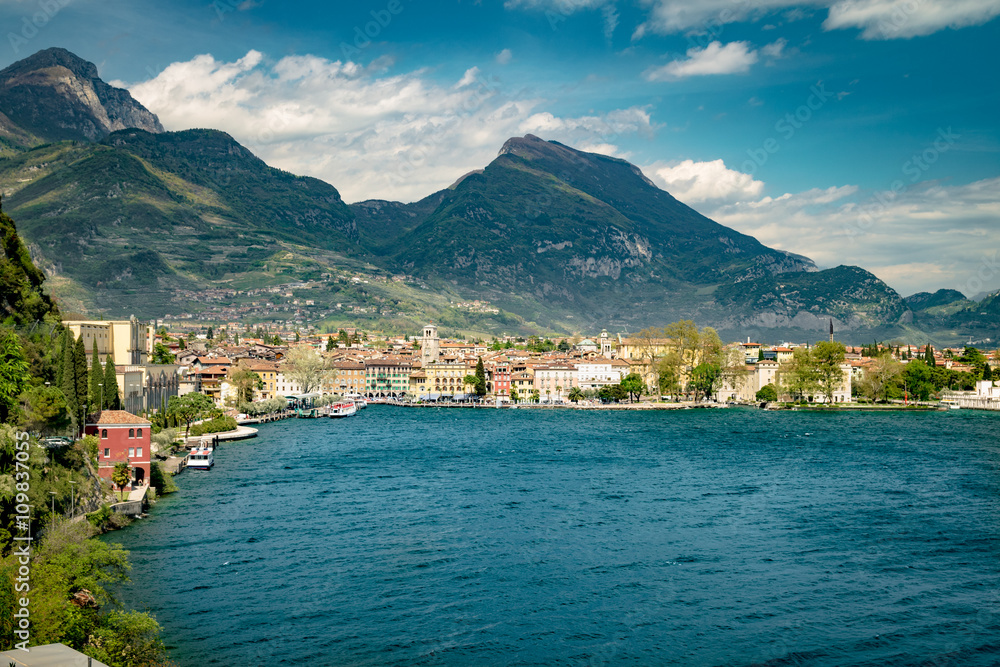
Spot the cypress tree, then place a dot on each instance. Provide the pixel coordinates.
(96, 377)
(61, 360)
(987, 372)
(80, 375)
(480, 378)
(68, 378)
(112, 400)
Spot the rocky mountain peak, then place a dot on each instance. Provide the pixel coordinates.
(56, 95)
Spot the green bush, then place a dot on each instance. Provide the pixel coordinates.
(217, 425)
(101, 518)
(162, 482)
(767, 393)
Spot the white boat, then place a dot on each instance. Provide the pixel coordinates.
(950, 403)
(360, 402)
(201, 458)
(343, 409)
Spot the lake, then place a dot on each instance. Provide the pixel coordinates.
(522, 537)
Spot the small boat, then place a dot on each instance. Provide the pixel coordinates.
(951, 404)
(343, 409)
(359, 401)
(201, 458)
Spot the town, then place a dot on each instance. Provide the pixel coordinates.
(237, 366)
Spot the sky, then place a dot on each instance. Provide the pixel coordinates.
(859, 132)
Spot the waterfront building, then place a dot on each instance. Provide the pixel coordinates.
(387, 378)
(122, 436)
(553, 381)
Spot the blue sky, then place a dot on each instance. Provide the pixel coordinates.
(852, 131)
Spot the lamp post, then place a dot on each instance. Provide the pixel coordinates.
(53, 506)
(72, 491)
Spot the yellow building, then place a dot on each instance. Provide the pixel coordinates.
(447, 377)
(129, 342)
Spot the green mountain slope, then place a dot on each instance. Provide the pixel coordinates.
(126, 218)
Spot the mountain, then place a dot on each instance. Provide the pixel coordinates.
(126, 218)
(23, 302)
(925, 301)
(55, 95)
(561, 235)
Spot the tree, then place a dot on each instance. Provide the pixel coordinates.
(633, 386)
(767, 393)
(306, 368)
(612, 393)
(211, 334)
(987, 372)
(480, 378)
(13, 373)
(668, 375)
(469, 382)
(917, 380)
(703, 379)
(121, 476)
(236, 338)
(929, 356)
(162, 355)
(685, 342)
(827, 357)
(112, 397)
(514, 395)
(798, 376)
(80, 369)
(536, 395)
(189, 407)
(96, 378)
(575, 394)
(68, 375)
(245, 381)
(331, 344)
(880, 376)
(128, 639)
(64, 342)
(45, 411)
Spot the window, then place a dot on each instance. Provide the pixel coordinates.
(107, 453)
(138, 452)
(138, 433)
(104, 433)
(131, 452)
(131, 433)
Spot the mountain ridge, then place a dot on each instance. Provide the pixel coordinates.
(559, 239)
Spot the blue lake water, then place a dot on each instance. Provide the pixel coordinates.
(486, 537)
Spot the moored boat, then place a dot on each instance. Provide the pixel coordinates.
(343, 409)
(201, 458)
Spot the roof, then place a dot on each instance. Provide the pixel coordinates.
(49, 655)
(113, 417)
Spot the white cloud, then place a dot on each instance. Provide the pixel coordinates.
(564, 6)
(699, 182)
(879, 19)
(504, 57)
(468, 78)
(900, 19)
(774, 49)
(733, 58)
(705, 16)
(922, 239)
(370, 135)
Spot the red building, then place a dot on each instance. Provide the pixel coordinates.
(121, 437)
(500, 378)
